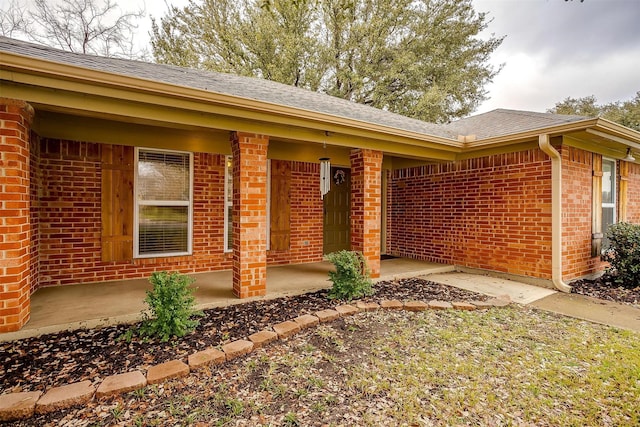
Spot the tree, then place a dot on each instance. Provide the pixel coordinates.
(419, 58)
(627, 113)
(86, 26)
(14, 21)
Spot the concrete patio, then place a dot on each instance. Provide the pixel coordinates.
(58, 308)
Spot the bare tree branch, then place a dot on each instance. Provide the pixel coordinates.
(96, 27)
(14, 21)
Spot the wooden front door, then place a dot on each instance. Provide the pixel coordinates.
(337, 207)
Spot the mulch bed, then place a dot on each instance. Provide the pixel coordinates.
(605, 288)
(93, 354)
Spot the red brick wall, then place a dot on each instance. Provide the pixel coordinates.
(306, 217)
(577, 191)
(249, 214)
(67, 236)
(208, 214)
(388, 212)
(69, 214)
(366, 198)
(633, 194)
(70, 221)
(15, 223)
(491, 213)
(35, 182)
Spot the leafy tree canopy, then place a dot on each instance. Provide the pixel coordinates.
(626, 113)
(419, 58)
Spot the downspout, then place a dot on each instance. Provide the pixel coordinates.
(556, 212)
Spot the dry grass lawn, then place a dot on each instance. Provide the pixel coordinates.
(513, 366)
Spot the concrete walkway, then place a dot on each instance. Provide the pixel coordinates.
(578, 306)
(492, 286)
(595, 310)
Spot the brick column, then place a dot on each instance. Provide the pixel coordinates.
(249, 214)
(366, 198)
(15, 228)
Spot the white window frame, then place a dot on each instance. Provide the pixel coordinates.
(614, 194)
(138, 203)
(614, 189)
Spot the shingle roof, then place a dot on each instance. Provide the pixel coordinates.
(505, 122)
(245, 87)
(492, 124)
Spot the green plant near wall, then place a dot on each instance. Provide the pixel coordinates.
(623, 254)
(171, 306)
(351, 278)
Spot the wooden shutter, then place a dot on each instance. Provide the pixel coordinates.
(596, 209)
(280, 205)
(117, 203)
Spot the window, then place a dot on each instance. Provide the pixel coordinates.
(228, 204)
(608, 197)
(163, 205)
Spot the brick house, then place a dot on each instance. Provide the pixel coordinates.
(111, 169)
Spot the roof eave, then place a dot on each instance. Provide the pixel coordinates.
(604, 127)
(70, 72)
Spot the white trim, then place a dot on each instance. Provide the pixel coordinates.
(614, 188)
(138, 203)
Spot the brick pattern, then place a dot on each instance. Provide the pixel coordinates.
(491, 213)
(69, 212)
(436, 212)
(15, 222)
(633, 194)
(389, 217)
(69, 219)
(66, 214)
(249, 214)
(577, 172)
(306, 218)
(35, 184)
(366, 198)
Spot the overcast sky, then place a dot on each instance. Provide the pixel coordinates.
(555, 49)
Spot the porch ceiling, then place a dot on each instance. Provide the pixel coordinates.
(110, 129)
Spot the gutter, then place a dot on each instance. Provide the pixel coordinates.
(18, 65)
(556, 212)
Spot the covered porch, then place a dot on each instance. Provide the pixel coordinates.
(58, 308)
(183, 174)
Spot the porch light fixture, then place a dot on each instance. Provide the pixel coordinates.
(629, 157)
(325, 175)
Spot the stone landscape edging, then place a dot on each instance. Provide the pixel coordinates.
(23, 405)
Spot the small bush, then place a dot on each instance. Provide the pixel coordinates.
(172, 304)
(351, 278)
(623, 254)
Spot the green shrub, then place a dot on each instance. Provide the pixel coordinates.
(171, 303)
(623, 254)
(351, 278)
